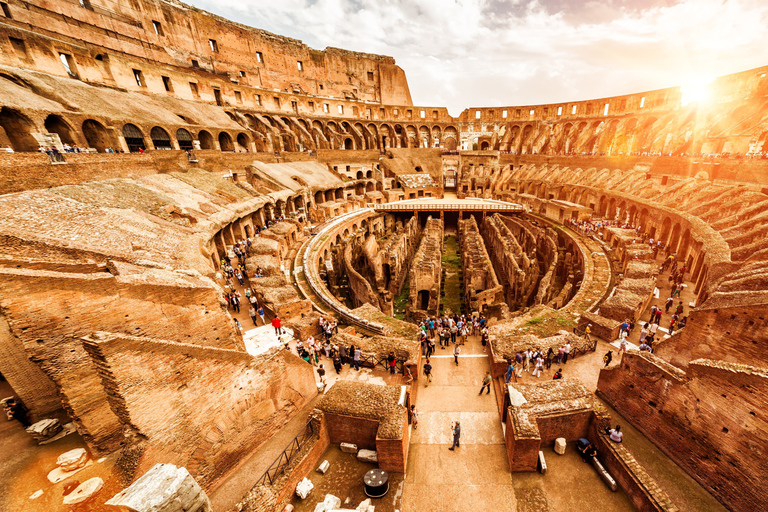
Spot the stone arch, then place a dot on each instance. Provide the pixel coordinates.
(685, 242)
(369, 187)
(206, 140)
(674, 238)
(57, 124)
(339, 193)
(225, 142)
(243, 141)
(184, 138)
(96, 135)
(424, 137)
(349, 143)
(665, 228)
(18, 128)
(319, 197)
(485, 145)
(134, 138)
(160, 138)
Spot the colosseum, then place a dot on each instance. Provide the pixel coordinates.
(237, 272)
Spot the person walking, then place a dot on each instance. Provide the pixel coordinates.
(539, 366)
(260, 311)
(668, 304)
(550, 357)
(456, 430)
(486, 384)
(427, 372)
(456, 352)
(252, 312)
(607, 358)
(566, 351)
(510, 372)
(588, 331)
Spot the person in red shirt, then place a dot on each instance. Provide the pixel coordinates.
(276, 325)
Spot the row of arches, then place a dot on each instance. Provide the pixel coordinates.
(18, 131)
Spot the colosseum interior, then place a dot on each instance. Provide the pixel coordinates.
(146, 145)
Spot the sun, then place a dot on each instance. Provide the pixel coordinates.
(695, 90)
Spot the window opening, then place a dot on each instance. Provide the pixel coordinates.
(158, 28)
(167, 83)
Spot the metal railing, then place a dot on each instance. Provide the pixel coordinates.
(373, 362)
(284, 459)
(448, 207)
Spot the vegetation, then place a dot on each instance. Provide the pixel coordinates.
(453, 296)
(401, 301)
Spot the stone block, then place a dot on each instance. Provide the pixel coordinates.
(73, 459)
(84, 491)
(368, 456)
(560, 446)
(542, 464)
(44, 429)
(365, 506)
(348, 447)
(323, 468)
(163, 487)
(303, 488)
(607, 478)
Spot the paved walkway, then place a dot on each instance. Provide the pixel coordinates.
(476, 475)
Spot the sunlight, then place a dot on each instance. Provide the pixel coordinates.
(695, 91)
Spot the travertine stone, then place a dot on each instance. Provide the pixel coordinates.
(348, 447)
(164, 488)
(367, 456)
(560, 446)
(84, 491)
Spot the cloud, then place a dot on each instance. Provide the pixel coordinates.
(462, 53)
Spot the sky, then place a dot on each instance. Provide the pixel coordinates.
(481, 53)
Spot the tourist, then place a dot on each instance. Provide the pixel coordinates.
(510, 372)
(407, 374)
(260, 311)
(391, 362)
(486, 384)
(560, 354)
(356, 358)
(16, 410)
(337, 364)
(414, 417)
(430, 347)
(528, 356)
(623, 346)
(239, 327)
(588, 331)
(343, 353)
(539, 365)
(427, 371)
(456, 352)
(235, 301)
(277, 325)
(252, 313)
(682, 322)
(679, 309)
(668, 304)
(616, 435)
(558, 374)
(550, 357)
(607, 358)
(321, 373)
(567, 351)
(456, 431)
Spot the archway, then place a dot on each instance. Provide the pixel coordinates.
(18, 129)
(206, 140)
(423, 299)
(484, 146)
(225, 142)
(184, 139)
(160, 138)
(133, 138)
(243, 142)
(56, 124)
(450, 144)
(96, 135)
(348, 143)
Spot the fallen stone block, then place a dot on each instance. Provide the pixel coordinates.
(323, 467)
(44, 429)
(368, 456)
(348, 447)
(84, 492)
(163, 487)
(365, 506)
(607, 478)
(303, 488)
(73, 459)
(560, 446)
(542, 464)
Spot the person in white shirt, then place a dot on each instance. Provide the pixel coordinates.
(617, 436)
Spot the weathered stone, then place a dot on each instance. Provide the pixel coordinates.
(367, 456)
(44, 429)
(164, 488)
(542, 463)
(303, 488)
(348, 447)
(73, 459)
(323, 467)
(560, 446)
(84, 492)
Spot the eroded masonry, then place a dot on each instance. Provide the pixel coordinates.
(158, 159)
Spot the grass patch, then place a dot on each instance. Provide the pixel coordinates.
(401, 301)
(451, 260)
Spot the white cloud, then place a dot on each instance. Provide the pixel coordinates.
(462, 53)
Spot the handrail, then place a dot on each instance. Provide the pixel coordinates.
(282, 461)
(448, 206)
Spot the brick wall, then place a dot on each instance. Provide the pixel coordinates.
(224, 404)
(736, 335)
(682, 413)
(393, 453)
(522, 452)
(349, 429)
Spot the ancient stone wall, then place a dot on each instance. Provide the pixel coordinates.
(481, 287)
(682, 413)
(424, 276)
(206, 428)
(397, 254)
(517, 269)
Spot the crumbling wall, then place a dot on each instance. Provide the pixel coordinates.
(424, 277)
(682, 413)
(207, 428)
(481, 286)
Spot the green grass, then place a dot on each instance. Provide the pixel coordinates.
(401, 301)
(452, 264)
